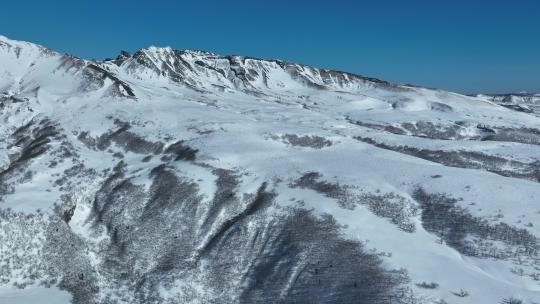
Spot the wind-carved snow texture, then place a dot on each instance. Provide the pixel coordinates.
(169, 176)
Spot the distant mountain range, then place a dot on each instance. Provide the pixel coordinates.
(523, 102)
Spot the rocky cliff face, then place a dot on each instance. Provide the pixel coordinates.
(169, 176)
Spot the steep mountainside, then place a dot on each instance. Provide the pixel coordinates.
(169, 176)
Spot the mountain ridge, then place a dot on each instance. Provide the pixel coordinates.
(214, 56)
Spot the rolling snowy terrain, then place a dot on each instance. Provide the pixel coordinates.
(169, 176)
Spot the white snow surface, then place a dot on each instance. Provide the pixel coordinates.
(34, 295)
(242, 125)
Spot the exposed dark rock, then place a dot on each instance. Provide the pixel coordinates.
(99, 74)
(181, 151)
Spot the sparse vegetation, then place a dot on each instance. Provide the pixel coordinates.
(389, 205)
(310, 141)
(461, 293)
(431, 285)
(511, 301)
(467, 159)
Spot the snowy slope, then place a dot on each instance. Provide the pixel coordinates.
(169, 176)
(522, 102)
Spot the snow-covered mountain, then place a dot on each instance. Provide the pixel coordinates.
(169, 176)
(523, 102)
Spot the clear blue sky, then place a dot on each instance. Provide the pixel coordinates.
(465, 46)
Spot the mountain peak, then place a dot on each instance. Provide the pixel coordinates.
(203, 70)
(206, 70)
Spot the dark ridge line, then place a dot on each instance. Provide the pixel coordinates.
(258, 203)
(115, 79)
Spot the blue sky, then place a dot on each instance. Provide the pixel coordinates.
(465, 46)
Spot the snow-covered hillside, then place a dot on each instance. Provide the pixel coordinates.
(523, 102)
(169, 176)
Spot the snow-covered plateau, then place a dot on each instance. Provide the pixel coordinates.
(168, 176)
